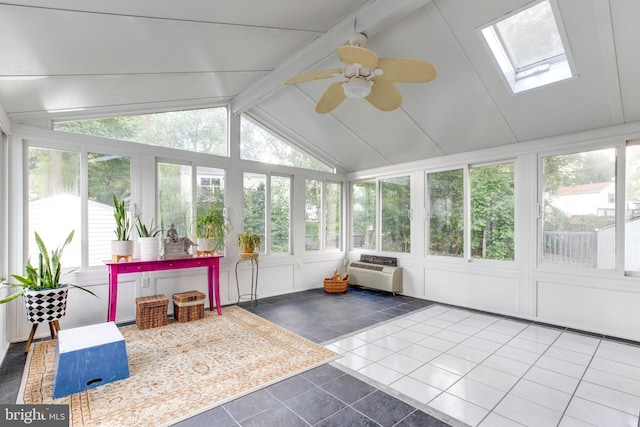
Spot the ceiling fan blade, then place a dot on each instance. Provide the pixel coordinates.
(331, 98)
(325, 74)
(384, 95)
(406, 70)
(358, 55)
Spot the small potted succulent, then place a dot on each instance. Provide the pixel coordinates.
(248, 242)
(122, 247)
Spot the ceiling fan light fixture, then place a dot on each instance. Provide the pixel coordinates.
(357, 88)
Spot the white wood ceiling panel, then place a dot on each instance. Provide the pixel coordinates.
(625, 15)
(53, 42)
(302, 15)
(86, 92)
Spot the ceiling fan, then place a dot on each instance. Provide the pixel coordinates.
(368, 77)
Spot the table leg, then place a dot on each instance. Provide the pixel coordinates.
(113, 296)
(213, 283)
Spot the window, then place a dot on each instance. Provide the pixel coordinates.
(56, 203)
(528, 47)
(322, 215)
(175, 196)
(332, 215)
(363, 208)
(261, 145)
(632, 208)
(446, 213)
(578, 224)
(273, 221)
(313, 207)
(492, 212)
(388, 200)
(280, 214)
(201, 131)
(396, 214)
(254, 207)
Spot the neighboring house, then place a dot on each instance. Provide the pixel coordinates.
(55, 226)
(588, 199)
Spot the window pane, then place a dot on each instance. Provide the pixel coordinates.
(280, 214)
(632, 215)
(210, 199)
(579, 209)
(54, 203)
(174, 197)
(492, 212)
(254, 205)
(396, 204)
(531, 36)
(312, 211)
(257, 143)
(363, 199)
(201, 131)
(333, 197)
(108, 175)
(446, 213)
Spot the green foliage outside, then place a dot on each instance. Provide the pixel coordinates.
(396, 204)
(492, 212)
(446, 213)
(200, 131)
(259, 144)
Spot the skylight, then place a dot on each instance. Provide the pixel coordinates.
(529, 48)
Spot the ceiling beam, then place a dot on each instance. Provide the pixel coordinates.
(370, 19)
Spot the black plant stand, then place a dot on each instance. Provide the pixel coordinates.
(252, 259)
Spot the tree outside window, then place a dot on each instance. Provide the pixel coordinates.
(446, 213)
(363, 208)
(492, 212)
(395, 195)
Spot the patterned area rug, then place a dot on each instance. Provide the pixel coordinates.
(180, 369)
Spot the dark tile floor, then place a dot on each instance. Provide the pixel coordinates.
(324, 396)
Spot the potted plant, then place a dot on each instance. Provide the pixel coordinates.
(122, 248)
(248, 242)
(212, 228)
(45, 296)
(148, 241)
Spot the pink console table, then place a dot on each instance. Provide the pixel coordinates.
(136, 266)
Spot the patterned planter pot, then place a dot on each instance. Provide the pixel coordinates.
(46, 305)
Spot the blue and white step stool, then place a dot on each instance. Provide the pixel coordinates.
(87, 357)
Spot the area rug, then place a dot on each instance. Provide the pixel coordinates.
(180, 370)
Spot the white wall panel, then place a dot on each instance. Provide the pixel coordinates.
(483, 292)
(607, 311)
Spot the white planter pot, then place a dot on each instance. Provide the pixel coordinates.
(206, 245)
(122, 248)
(46, 305)
(149, 248)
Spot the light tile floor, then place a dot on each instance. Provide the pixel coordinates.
(485, 370)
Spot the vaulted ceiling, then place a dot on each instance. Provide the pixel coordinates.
(90, 58)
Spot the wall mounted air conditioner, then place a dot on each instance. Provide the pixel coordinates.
(381, 273)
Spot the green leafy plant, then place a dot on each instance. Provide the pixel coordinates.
(249, 241)
(123, 219)
(212, 223)
(144, 231)
(46, 275)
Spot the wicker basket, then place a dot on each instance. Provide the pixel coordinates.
(151, 311)
(332, 286)
(188, 306)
